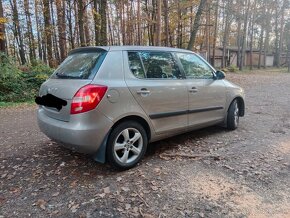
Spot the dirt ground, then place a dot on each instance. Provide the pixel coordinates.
(242, 173)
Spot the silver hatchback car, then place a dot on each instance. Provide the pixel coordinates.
(110, 102)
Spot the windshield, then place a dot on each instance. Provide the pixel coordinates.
(80, 66)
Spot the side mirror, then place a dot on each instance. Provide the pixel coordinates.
(219, 75)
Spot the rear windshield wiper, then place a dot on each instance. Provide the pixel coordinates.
(63, 76)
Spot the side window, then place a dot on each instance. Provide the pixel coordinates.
(194, 67)
(153, 65)
(135, 65)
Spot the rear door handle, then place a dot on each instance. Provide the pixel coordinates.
(193, 89)
(143, 91)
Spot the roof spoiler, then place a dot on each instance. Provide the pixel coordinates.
(88, 49)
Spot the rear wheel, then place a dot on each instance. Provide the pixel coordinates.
(233, 116)
(127, 144)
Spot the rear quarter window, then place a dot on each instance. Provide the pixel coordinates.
(80, 66)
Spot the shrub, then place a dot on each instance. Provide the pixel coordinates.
(18, 84)
(233, 68)
(11, 84)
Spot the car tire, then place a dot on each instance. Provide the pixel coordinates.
(233, 116)
(126, 145)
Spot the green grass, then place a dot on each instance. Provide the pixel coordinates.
(16, 104)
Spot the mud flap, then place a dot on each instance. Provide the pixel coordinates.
(100, 156)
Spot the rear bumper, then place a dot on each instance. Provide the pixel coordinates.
(83, 133)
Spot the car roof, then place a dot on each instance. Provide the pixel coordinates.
(128, 48)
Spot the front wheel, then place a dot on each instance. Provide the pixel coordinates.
(233, 116)
(127, 144)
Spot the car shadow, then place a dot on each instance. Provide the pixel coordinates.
(54, 159)
(172, 142)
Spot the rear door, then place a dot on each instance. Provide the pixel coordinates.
(207, 96)
(156, 83)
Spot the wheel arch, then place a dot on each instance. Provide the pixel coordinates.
(100, 156)
(138, 119)
(241, 105)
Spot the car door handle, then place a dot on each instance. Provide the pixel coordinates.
(193, 89)
(143, 91)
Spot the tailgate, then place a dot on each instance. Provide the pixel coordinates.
(64, 89)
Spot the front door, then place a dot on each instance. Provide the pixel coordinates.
(157, 85)
(207, 96)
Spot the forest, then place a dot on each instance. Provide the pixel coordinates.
(234, 34)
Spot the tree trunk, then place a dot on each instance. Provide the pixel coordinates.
(166, 22)
(32, 53)
(215, 32)
(18, 32)
(61, 25)
(239, 43)
(97, 23)
(139, 22)
(40, 47)
(277, 12)
(252, 38)
(226, 34)
(81, 22)
(158, 23)
(207, 27)
(196, 24)
(285, 2)
(54, 38)
(261, 46)
(266, 46)
(242, 62)
(86, 24)
(69, 24)
(103, 14)
(179, 27)
(111, 30)
(47, 31)
(2, 30)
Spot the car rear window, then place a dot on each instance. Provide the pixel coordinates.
(80, 66)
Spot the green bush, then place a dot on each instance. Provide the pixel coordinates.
(233, 68)
(11, 84)
(18, 84)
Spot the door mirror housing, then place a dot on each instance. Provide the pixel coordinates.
(219, 75)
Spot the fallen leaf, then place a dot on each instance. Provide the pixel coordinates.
(154, 188)
(102, 195)
(74, 208)
(120, 209)
(107, 190)
(125, 189)
(119, 179)
(135, 209)
(2, 200)
(127, 206)
(53, 213)
(55, 194)
(74, 184)
(41, 203)
(146, 215)
(121, 198)
(157, 170)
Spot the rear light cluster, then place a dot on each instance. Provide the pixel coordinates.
(87, 98)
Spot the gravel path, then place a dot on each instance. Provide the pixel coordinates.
(243, 173)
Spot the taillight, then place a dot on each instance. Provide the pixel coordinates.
(87, 98)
